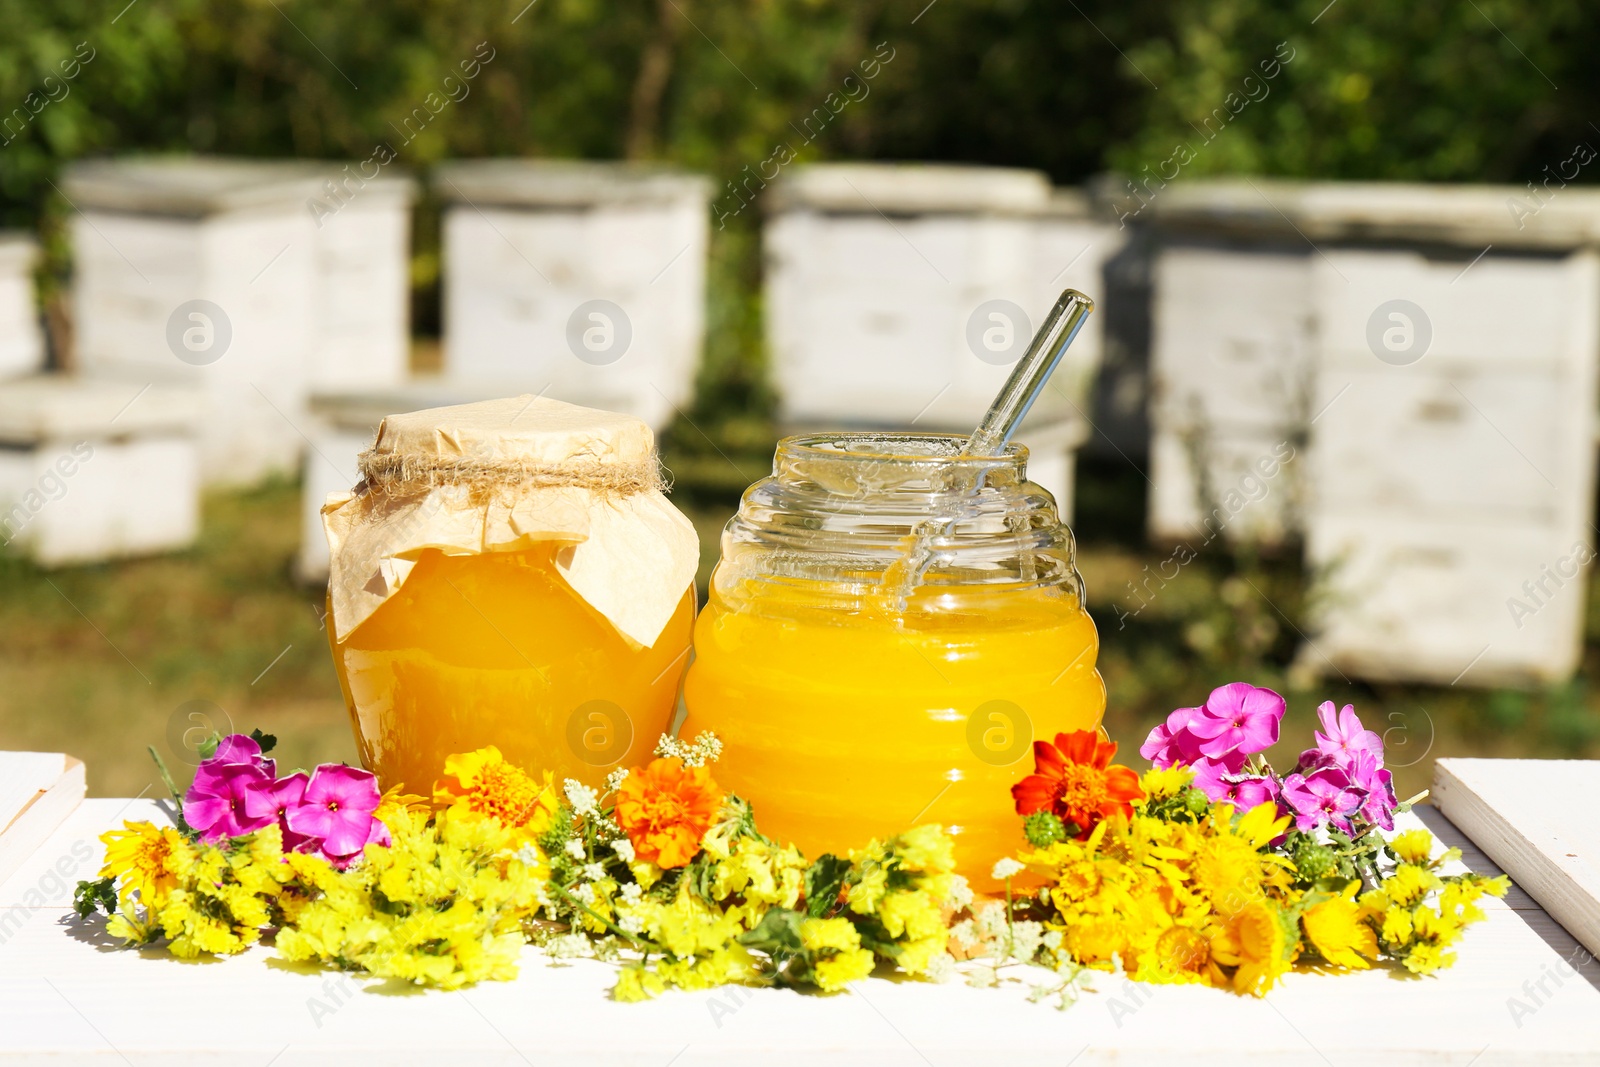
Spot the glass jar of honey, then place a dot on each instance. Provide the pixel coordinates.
(891, 624)
(510, 574)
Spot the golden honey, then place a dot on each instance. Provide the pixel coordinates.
(869, 670)
(496, 649)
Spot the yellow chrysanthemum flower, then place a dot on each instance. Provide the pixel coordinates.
(1335, 929)
(482, 784)
(1252, 941)
(145, 859)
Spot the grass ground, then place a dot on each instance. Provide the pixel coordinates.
(102, 661)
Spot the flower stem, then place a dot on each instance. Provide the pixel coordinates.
(166, 775)
(607, 923)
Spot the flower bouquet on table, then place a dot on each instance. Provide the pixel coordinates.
(1208, 868)
(1212, 868)
(660, 873)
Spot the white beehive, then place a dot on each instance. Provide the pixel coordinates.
(303, 271)
(883, 284)
(342, 425)
(581, 281)
(1429, 353)
(21, 340)
(93, 470)
(1453, 495)
(1232, 361)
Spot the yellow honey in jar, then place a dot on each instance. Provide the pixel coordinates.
(509, 573)
(890, 627)
(497, 649)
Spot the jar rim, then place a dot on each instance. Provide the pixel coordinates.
(910, 447)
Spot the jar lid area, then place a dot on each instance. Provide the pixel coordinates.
(893, 445)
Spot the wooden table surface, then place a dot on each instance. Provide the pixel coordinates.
(1523, 992)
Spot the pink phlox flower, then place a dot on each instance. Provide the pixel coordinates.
(1324, 795)
(337, 808)
(1238, 718)
(1172, 743)
(241, 748)
(277, 800)
(1244, 791)
(1379, 803)
(1342, 736)
(220, 800)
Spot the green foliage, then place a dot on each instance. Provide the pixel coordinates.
(1043, 829)
(95, 894)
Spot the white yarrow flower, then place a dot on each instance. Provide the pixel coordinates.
(584, 801)
(584, 894)
(575, 848)
(960, 897)
(631, 892)
(594, 871)
(624, 849)
(1007, 868)
(615, 779)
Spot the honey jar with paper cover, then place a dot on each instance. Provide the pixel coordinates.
(509, 573)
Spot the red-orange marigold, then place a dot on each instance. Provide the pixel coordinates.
(1075, 779)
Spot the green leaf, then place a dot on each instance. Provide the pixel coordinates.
(89, 895)
(267, 741)
(824, 882)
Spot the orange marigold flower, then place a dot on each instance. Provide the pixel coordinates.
(1075, 779)
(665, 808)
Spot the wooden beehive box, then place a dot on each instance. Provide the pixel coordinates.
(1232, 362)
(21, 340)
(303, 268)
(1430, 356)
(94, 470)
(1452, 501)
(581, 281)
(884, 291)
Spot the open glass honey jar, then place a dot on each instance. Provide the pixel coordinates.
(891, 625)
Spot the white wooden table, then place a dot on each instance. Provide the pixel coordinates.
(68, 997)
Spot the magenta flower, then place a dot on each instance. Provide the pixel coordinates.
(1238, 718)
(1172, 742)
(1322, 796)
(1244, 791)
(1343, 736)
(277, 800)
(1368, 775)
(337, 808)
(220, 800)
(240, 748)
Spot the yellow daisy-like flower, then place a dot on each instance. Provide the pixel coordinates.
(1161, 784)
(1397, 927)
(840, 959)
(146, 859)
(1409, 884)
(840, 969)
(1335, 929)
(1252, 941)
(482, 784)
(925, 848)
(1413, 846)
